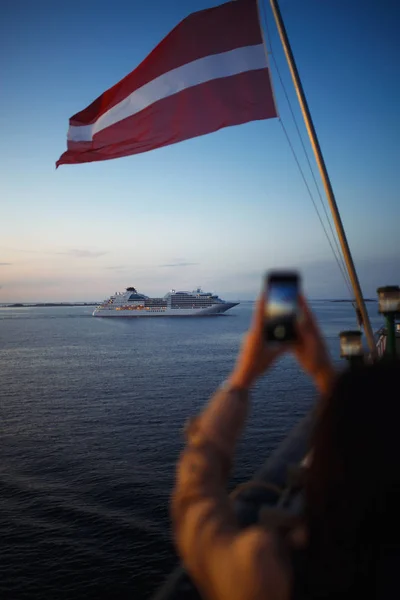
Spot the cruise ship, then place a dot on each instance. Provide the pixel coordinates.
(174, 304)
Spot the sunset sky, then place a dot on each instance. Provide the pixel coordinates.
(215, 211)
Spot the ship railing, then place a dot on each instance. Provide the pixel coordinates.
(381, 337)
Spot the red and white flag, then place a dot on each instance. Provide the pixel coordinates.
(209, 72)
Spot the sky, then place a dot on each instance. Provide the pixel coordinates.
(215, 211)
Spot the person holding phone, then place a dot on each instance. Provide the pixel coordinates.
(204, 522)
(226, 561)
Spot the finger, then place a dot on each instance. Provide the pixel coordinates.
(259, 313)
(306, 328)
(307, 323)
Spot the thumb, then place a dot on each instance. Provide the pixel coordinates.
(259, 313)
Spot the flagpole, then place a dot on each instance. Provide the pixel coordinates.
(324, 176)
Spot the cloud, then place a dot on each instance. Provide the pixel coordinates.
(180, 264)
(79, 253)
(116, 268)
(76, 252)
(4, 264)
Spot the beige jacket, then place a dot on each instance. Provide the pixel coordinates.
(225, 562)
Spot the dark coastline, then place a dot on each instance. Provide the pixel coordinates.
(48, 304)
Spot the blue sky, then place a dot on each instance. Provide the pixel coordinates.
(215, 211)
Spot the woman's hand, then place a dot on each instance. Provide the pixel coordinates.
(310, 349)
(255, 356)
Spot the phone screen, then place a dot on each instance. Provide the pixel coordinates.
(281, 307)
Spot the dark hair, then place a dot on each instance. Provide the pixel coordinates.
(353, 485)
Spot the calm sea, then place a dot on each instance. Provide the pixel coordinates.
(91, 418)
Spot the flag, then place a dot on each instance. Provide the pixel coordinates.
(210, 72)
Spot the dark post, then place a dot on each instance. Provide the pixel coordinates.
(391, 335)
(389, 306)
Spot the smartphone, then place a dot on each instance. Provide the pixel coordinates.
(281, 307)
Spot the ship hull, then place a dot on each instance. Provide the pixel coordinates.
(216, 309)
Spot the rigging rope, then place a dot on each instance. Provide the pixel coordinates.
(315, 206)
(337, 253)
